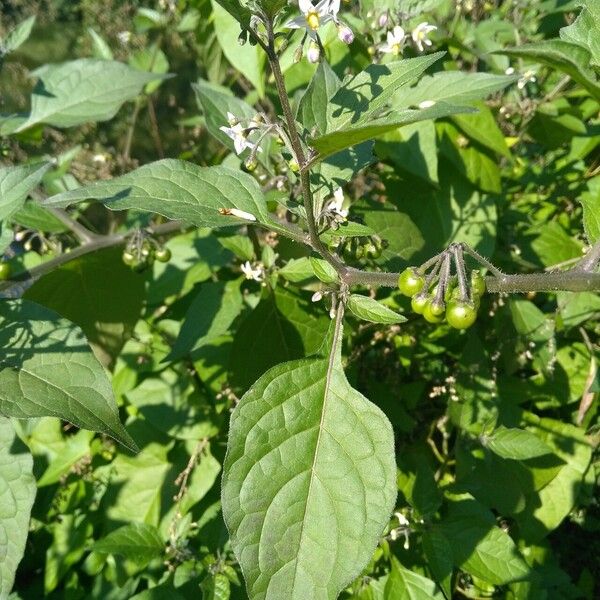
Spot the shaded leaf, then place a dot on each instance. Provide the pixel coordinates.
(516, 444)
(138, 542)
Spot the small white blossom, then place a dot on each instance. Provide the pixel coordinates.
(394, 41)
(238, 134)
(427, 104)
(254, 273)
(510, 71)
(527, 77)
(336, 205)
(316, 297)
(420, 33)
(402, 520)
(124, 37)
(99, 158)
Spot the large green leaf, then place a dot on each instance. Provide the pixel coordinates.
(178, 190)
(15, 183)
(368, 128)
(83, 90)
(17, 493)
(138, 542)
(569, 58)
(313, 106)
(48, 369)
(309, 480)
(585, 31)
(452, 87)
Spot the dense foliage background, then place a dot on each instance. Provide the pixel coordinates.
(183, 340)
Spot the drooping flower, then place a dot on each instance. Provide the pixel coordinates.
(394, 42)
(420, 33)
(253, 272)
(313, 17)
(238, 133)
(336, 205)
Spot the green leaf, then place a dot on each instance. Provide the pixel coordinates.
(590, 202)
(77, 290)
(309, 480)
(216, 587)
(482, 128)
(178, 190)
(17, 36)
(438, 551)
(297, 269)
(479, 546)
(250, 60)
(323, 270)
(584, 31)
(516, 444)
(404, 584)
(101, 48)
(83, 90)
(451, 87)
(368, 92)
(313, 106)
(368, 309)
(283, 326)
(138, 542)
(237, 10)
(16, 183)
(564, 56)
(555, 501)
(48, 369)
(34, 216)
(209, 316)
(530, 321)
(369, 128)
(75, 448)
(17, 493)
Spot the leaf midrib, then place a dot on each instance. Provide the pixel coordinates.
(313, 476)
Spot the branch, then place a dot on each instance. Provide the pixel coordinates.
(16, 286)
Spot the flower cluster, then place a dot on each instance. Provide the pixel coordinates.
(397, 38)
(311, 19)
(239, 134)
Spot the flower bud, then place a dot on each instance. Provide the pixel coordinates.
(345, 34)
(383, 20)
(314, 53)
(298, 54)
(243, 37)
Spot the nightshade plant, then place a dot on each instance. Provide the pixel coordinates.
(147, 304)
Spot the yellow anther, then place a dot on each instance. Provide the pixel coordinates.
(312, 18)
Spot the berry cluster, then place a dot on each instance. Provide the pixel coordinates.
(438, 295)
(141, 252)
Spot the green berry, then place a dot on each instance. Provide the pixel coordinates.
(163, 255)
(460, 315)
(437, 308)
(430, 314)
(410, 282)
(418, 303)
(129, 258)
(5, 271)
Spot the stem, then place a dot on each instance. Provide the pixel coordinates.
(83, 233)
(16, 286)
(300, 157)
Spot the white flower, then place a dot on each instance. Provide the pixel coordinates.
(527, 77)
(336, 205)
(420, 33)
(313, 17)
(510, 71)
(238, 133)
(255, 273)
(313, 54)
(395, 41)
(124, 37)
